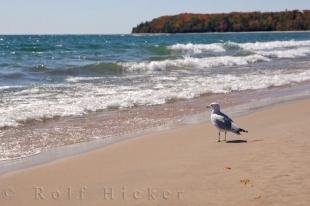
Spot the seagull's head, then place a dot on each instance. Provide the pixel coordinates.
(214, 106)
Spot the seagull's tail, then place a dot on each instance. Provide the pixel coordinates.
(242, 130)
(235, 129)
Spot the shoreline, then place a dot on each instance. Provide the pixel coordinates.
(268, 166)
(58, 153)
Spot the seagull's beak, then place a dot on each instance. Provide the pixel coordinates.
(208, 106)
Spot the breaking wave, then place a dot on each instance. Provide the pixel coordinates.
(274, 49)
(198, 48)
(194, 63)
(44, 102)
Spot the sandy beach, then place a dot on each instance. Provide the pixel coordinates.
(183, 166)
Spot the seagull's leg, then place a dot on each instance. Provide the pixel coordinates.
(225, 135)
(219, 138)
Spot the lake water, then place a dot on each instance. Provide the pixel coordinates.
(59, 90)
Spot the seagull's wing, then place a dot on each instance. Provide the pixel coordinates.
(226, 117)
(221, 121)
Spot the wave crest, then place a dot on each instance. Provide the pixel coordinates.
(79, 99)
(274, 49)
(198, 48)
(190, 62)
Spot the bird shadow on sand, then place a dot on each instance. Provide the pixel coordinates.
(237, 141)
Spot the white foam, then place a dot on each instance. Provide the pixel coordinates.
(194, 62)
(9, 87)
(220, 47)
(198, 48)
(228, 83)
(275, 49)
(80, 98)
(273, 45)
(287, 53)
(16, 153)
(80, 79)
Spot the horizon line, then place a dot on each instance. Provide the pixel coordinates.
(137, 34)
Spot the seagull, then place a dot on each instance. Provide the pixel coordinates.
(223, 122)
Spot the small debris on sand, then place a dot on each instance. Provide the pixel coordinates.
(245, 181)
(257, 197)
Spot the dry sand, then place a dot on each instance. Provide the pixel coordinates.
(183, 166)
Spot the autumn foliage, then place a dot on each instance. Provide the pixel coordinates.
(228, 22)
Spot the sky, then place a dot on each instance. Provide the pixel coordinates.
(114, 16)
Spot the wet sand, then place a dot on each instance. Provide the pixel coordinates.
(182, 166)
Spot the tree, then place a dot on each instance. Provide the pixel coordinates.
(231, 22)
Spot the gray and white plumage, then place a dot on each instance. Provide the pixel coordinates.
(222, 121)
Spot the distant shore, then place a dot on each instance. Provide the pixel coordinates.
(295, 20)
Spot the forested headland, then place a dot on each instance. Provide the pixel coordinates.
(295, 20)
